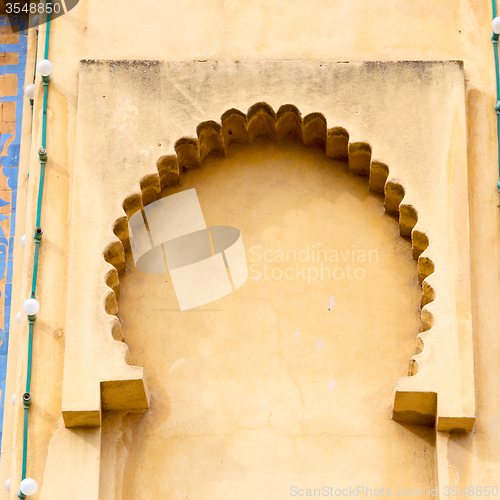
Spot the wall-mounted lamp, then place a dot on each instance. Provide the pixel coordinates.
(495, 25)
(29, 91)
(31, 307)
(28, 487)
(44, 67)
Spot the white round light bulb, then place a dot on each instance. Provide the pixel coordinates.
(29, 90)
(28, 486)
(495, 25)
(18, 317)
(23, 240)
(44, 67)
(7, 484)
(13, 399)
(35, 20)
(31, 307)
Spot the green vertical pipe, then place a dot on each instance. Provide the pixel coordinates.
(26, 405)
(34, 78)
(494, 38)
(37, 250)
(36, 56)
(30, 355)
(25, 441)
(44, 122)
(495, 50)
(40, 193)
(498, 134)
(47, 33)
(35, 270)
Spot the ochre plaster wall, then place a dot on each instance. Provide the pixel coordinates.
(249, 31)
(266, 388)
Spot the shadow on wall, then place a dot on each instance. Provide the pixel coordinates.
(275, 384)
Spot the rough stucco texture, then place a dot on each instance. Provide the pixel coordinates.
(410, 124)
(267, 388)
(157, 102)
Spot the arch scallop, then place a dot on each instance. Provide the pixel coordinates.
(415, 399)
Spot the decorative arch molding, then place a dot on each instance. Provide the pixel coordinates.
(440, 387)
(414, 402)
(261, 121)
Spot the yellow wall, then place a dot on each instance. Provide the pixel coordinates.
(266, 388)
(256, 31)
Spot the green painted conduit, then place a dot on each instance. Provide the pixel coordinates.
(494, 38)
(34, 78)
(34, 72)
(42, 153)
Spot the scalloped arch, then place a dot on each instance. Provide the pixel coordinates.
(312, 131)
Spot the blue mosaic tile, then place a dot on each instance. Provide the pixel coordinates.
(12, 174)
(17, 47)
(5, 137)
(3, 367)
(4, 346)
(9, 167)
(19, 118)
(19, 126)
(12, 160)
(13, 210)
(2, 388)
(13, 214)
(3, 268)
(6, 319)
(10, 270)
(13, 69)
(3, 241)
(11, 248)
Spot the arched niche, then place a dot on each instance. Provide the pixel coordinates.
(276, 386)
